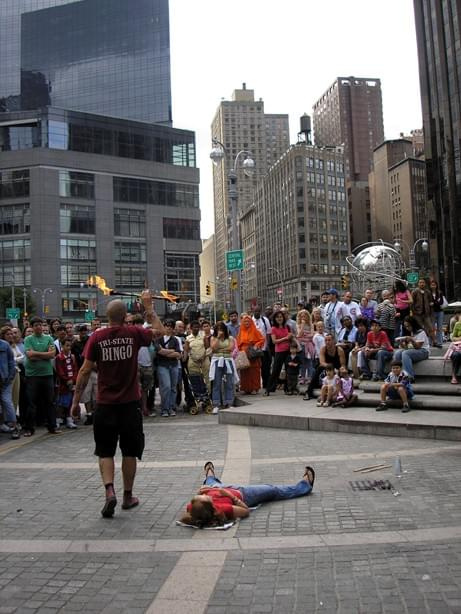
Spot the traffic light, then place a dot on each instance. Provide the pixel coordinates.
(208, 289)
(345, 281)
(234, 284)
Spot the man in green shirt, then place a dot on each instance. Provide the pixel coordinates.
(40, 351)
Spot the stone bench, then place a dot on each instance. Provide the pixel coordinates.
(434, 366)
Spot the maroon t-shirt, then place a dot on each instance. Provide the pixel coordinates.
(115, 351)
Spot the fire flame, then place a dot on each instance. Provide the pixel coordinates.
(169, 297)
(99, 282)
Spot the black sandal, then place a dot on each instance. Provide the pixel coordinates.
(310, 474)
(208, 467)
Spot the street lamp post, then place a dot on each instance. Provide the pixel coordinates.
(279, 274)
(43, 294)
(218, 153)
(412, 250)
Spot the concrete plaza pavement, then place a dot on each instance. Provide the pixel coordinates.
(337, 550)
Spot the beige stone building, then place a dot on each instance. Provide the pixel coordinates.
(241, 124)
(207, 270)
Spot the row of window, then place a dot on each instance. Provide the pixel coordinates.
(158, 193)
(14, 184)
(14, 219)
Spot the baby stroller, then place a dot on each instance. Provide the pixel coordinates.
(201, 398)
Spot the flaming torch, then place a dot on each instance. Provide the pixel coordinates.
(95, 281)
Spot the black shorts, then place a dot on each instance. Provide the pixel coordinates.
(118, 423)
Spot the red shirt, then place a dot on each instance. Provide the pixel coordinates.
(115, 351)
(221, 503)
(280, 333)
(66, 370)
(379, 340)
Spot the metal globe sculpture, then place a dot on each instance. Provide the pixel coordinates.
(374, 265)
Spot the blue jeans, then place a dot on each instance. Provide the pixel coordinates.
(9, 413)
(438, 322)
(307, 366)
(225, 380)
(408, 357)
(382, 357)
(262, 493)
(167, 382)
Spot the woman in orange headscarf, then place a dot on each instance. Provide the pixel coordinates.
(250, 337)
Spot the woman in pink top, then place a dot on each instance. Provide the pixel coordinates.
(402, 302)
(281, 337)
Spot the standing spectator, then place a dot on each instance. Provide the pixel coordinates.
(333, 313)
(439, 302)
(367, 311)
(118, 418)
(402, 301)
(60, 336)
(40, 351)
(54, 327)
(370, 296)
(316, 316)
(329, 354)
(146, 355)
(347, 336)
(249, 337)
(422, 308)
(88, 397)
(289, 321)
(293, 364)
(269, 312)
(66, 372)
(377, 347)
(233, 325)
(414, 346)
(183, 380)
(324, 299)
(223, 373)
(20, 357)
(318, 340)
(305, 337)
(385, 314)
(197, 363)
(69, 330)
(281, 337)
(95, 325)
(7, 374)
(264, 326)
(168, 352)
(349, 307)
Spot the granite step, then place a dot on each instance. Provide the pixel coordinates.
(420, 387)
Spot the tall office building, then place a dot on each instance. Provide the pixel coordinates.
(302, 224)
(91, 182)
(241, 124)
(438, 32)
(350, 114)
(110, 57)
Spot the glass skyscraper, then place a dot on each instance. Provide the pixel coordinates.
(110, 57)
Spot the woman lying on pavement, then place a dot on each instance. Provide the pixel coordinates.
(215, 504)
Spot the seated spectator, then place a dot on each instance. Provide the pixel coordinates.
(454, 354)
(349, 307)
(330, 353)
(456, 332)
(385, 313)
(330, 387)
(345, 396)
(346, 336)
(360, 341)
(414, 347)
(396, 386)
(378, 347)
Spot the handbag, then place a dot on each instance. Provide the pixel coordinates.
(241, 361)
(254, 352)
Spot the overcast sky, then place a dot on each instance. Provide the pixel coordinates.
(289, 52)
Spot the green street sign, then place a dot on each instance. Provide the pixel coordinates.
(413, 277)
(13, 313)
(89, 316)
(234, 260)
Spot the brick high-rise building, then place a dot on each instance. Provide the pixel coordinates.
(438, 33)
(241, 124)
(350, 114)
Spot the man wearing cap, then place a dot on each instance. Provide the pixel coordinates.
(333, 313)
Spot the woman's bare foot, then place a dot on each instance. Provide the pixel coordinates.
(209, 468)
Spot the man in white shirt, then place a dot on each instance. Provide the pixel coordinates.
(333, 313)
(350, 307)
(264, 326)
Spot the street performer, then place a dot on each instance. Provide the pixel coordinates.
(118, 417)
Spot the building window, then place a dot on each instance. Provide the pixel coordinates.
(76, 185)
(130, 252)
(77, 219)
(129, 276)
(160, 193)
(15, 259)
(182, 274)
(78, 249)
(76, 274)
(129, 222)
(73, 301)
(14, 219)
(14, 184)
(174, 228)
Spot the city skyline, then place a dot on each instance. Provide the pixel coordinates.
(288, 65)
